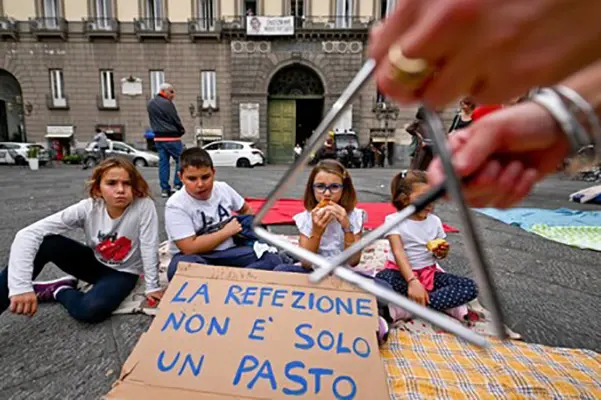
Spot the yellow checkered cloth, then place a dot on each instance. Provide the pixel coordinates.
(440, 366)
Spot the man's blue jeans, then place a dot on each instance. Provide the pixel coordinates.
(166, 151)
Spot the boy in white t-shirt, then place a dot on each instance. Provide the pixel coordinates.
(199, 223)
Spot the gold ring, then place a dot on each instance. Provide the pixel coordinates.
(410, 72)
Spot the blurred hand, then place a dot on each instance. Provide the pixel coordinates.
(492, 49)
(506, 153)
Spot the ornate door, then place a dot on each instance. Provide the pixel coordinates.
(282, 131)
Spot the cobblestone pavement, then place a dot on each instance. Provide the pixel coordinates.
(550, 292)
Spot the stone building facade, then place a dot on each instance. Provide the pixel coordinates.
(69, 66)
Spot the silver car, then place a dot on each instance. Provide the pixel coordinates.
(140, 158)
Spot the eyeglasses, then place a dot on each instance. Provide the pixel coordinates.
(332, 187)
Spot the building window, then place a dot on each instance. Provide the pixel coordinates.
(344, 13)
(386, 7)
(250, 7)
(103, 12)
(107, 89)
(297, 8)
(157, 78)
(57, 88)
(205, 13)
(51, 13)
(208, 88)
(155, 14)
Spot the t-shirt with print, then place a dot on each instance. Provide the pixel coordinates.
(415, 234)
(128, 243)
(186, 216)
(332, 240)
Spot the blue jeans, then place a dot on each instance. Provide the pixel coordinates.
(166, 151)
(239, 256)
(110, 288)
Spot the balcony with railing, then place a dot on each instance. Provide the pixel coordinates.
(9, 28)
(204, 28)
(49, 27)
(101, 28)
(310, 26)
(57, 103)
(148, 28)
(337, 26)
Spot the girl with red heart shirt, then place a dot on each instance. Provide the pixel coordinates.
(120, 224)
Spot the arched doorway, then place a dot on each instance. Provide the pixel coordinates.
(12, 123)
(296, 95)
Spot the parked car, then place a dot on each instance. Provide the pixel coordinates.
(16, 153)
(232, 153)
(140, 158)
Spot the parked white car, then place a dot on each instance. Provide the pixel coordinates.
(16, 153)
(232, 153)
(140, 158)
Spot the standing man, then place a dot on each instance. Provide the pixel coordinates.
(168, 130)
(103, 143)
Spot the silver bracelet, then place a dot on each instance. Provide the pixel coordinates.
(588, 110)
(568, 123)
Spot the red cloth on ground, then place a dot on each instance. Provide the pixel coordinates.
(481, 111)
(284, 209)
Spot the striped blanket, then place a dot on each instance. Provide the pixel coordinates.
(440, 366)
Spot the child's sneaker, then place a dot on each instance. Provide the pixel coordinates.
(45, 290)
(383, 331)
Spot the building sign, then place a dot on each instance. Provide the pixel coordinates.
(233, 333)
(131, 86)
(249, 121)
(269, 26)
(60, 131)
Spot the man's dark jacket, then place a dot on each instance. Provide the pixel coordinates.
(163, 117)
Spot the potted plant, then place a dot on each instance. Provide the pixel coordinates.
(32, 157)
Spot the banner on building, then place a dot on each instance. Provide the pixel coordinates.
(232, 333)
(269, 26)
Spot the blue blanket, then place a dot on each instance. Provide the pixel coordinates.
(526, 217)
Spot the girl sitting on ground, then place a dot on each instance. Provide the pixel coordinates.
(331, 222)
(121, 227)
(416, 244)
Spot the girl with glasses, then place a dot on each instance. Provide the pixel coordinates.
(331, 222)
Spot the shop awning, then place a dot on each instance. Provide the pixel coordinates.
(59, 131)
(59, 135)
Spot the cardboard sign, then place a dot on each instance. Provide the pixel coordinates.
(224, 333)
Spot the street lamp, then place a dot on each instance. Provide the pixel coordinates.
(199, 111)
(386, 111)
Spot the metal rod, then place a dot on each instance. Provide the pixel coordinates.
(315, 141)
(475, 251)
(377, 290)
(432, 195)
(319, 274)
